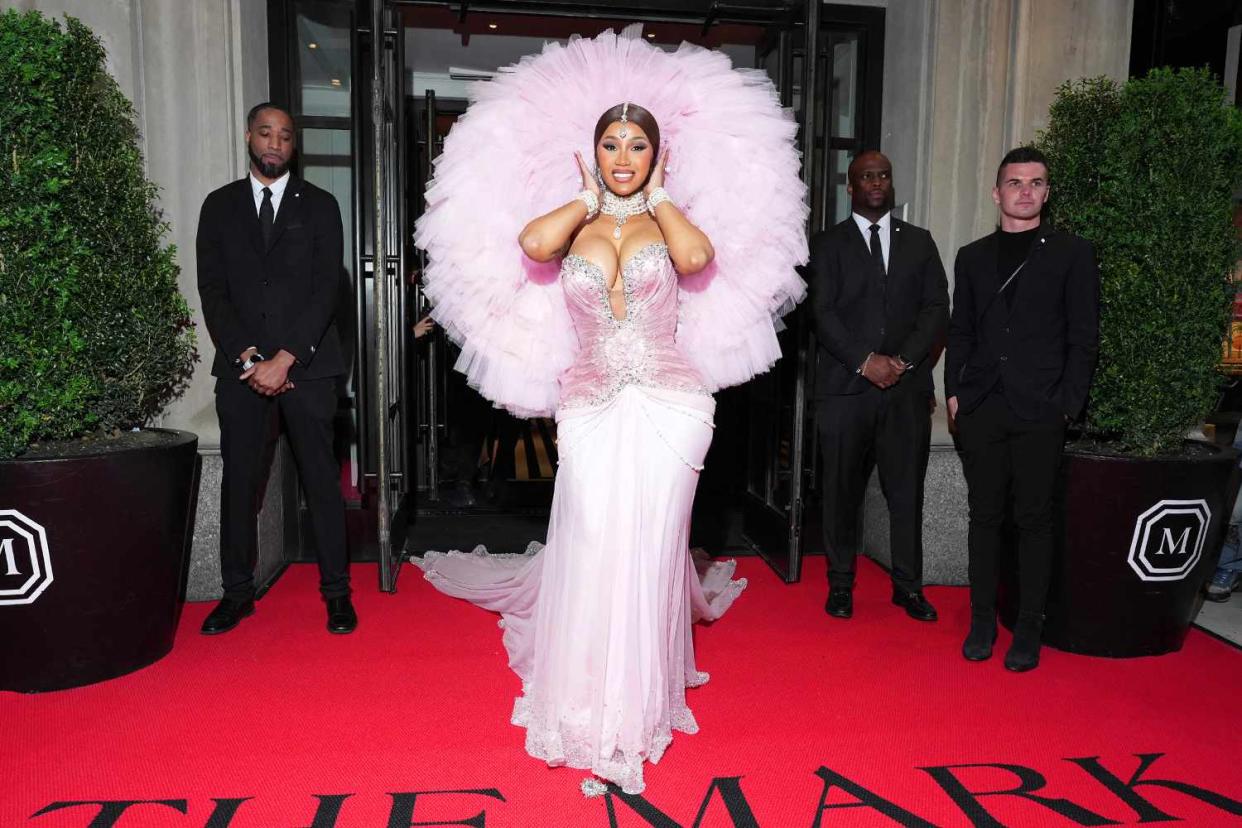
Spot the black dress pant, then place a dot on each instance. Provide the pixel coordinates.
(249, 428)
(1005, 456)
(890, 430)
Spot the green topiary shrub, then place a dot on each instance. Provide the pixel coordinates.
(1147, 171)
(94, 335)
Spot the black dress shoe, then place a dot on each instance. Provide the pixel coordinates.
(227, 615)
(916, 606)
(341, 616)
(1023, 653)
(840, 602)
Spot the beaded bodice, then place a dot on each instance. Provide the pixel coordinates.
(639, 349)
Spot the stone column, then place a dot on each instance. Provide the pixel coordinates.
(964, 82)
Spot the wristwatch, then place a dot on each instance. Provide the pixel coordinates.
(253, 358)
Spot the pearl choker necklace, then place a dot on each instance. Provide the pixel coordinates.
(621, 208)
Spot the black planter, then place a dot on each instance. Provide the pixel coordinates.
(93, 587)
(1137, 540)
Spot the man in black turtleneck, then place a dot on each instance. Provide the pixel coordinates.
(1022, 346)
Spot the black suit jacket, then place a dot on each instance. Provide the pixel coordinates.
(856, 310)
(283, 296)
(1041, 347)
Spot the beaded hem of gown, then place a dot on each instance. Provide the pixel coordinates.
(597, 622)
(572, 745)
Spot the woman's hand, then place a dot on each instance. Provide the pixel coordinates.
(423, 327)
(657, 173)
(588, 178)
(546, 237)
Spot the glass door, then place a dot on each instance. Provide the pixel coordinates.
(839, 117)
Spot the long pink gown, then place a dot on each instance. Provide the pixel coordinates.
(597, 622)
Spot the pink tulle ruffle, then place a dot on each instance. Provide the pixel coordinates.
(733, 170)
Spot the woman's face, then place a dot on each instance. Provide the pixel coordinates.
(624, 162)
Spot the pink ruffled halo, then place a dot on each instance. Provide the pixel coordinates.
(733, 169)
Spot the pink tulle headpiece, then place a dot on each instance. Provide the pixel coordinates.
(733, 169)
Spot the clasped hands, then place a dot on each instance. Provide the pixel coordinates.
(269, 377)
(883, 371)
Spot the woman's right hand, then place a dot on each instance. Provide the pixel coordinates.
(588, 178)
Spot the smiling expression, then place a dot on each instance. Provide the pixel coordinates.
(625, 163)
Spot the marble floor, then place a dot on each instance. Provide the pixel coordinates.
(1225, 620)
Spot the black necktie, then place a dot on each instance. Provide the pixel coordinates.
(267, 217)
(877, 253)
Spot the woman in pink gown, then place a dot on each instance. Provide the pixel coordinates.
(597, 622)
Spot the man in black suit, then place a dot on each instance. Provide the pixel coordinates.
(269, 259)
(880, 304)
(1022, 347)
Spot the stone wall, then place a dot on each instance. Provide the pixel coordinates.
(967, 80)
(192, 70)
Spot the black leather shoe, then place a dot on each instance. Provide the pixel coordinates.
(915, 605)
(840, 602)
(978, 644)
(227, 615)
(1023, 653)
(341, 616)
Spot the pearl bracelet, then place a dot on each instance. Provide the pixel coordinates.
(591, 200)
(658, 196)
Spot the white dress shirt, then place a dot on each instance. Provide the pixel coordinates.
(278, 191)
(886, 224)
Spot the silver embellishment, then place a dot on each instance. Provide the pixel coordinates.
(592, 787)
(625, 120)
(591, 200)
(623, 353)
(658, 196)
(622, 207)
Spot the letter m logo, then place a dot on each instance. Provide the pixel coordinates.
(25, 562)
(1168, 539)
(8, 558)
(1170, 547)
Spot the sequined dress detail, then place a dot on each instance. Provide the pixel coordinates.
(597, 622)
(636, 350)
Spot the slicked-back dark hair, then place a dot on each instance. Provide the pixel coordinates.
(640, 117)
(1021, 155)
(259, 107)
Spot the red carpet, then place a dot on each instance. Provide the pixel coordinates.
(371, 730)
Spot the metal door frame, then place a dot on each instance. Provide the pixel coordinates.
(387, 416)
(787, 562)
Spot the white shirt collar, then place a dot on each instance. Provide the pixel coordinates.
(277, 187)
(864, 224)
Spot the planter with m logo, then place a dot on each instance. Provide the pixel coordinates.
(1137, 539)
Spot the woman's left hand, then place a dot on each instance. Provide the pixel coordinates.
(424, 326)
(657, 173)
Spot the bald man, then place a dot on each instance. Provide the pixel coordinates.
(880, 308)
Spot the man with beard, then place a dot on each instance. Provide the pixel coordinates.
(269, 259)
(880, 304)
(1022, 347)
